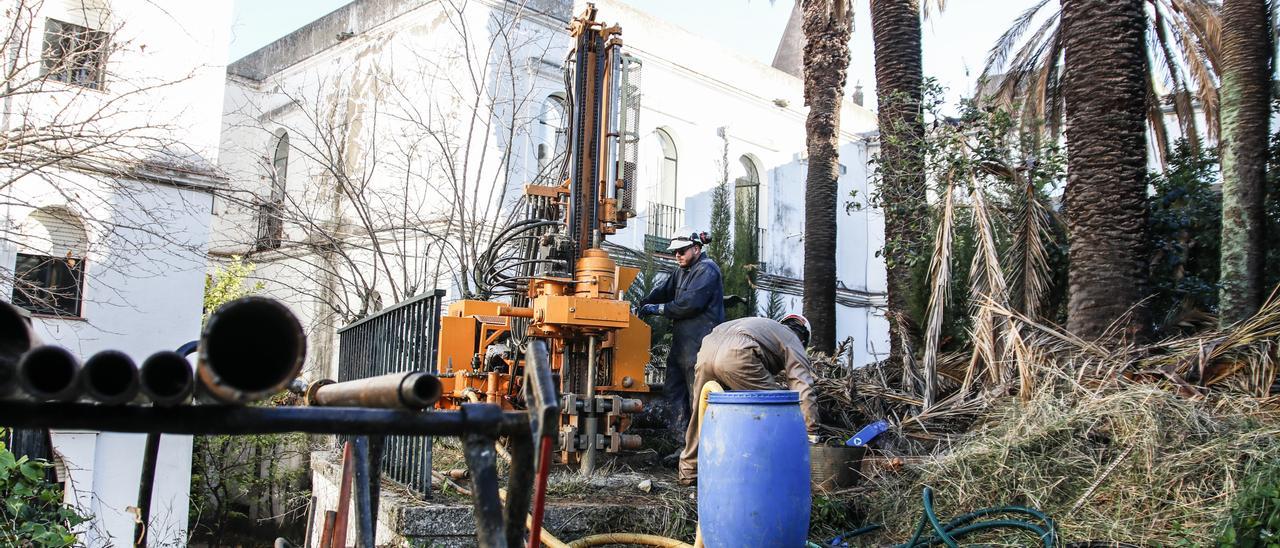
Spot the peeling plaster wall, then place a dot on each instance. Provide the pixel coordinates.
(691, 88)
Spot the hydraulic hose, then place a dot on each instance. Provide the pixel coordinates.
(627, 538)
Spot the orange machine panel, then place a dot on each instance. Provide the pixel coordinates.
(457, 343)
(581, 312)
(630, 355)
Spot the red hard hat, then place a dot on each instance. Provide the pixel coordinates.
(800, 325)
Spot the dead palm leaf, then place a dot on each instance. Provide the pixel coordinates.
(940, 288)
(987, 283)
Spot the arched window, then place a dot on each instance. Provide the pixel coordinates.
(50, 265)
(747, 234)
(664, 216)
(667, 169)
(551, 135)
(271, 211)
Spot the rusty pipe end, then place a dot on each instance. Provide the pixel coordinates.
(110, 377)
(310, 397)
(166, 378)
(49, 373)
(420, 390)
(250, 349)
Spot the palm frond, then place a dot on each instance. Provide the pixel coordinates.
(940, 288)
(987, 283)
(1030, 275)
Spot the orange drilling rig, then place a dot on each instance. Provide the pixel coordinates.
(546, 279)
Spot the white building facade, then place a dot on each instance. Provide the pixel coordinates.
(114, 109)
(375, 149)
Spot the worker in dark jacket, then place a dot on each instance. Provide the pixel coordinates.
(748, 354)
(693, 298)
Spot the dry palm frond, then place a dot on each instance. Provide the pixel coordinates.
(939, 290)
(1183, 38)
(1030, 275)
(987, 283)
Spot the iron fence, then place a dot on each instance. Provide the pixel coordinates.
(401, 338)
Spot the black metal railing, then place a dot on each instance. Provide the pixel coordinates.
(663, 222)
(270, 226)
(762, 235)
(402, 338)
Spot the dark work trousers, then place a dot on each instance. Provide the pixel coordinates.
(677, 388)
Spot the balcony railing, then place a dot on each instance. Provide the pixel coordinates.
(663, 222)
(402, 338)
(270, 226)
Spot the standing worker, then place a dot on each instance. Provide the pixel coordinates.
(693, 298)
(745, 354)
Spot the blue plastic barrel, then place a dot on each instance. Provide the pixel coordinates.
(753, 470)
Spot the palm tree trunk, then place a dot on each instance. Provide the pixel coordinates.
(827, 27)
(1104, 77)
(1245, 93)
(895, 25)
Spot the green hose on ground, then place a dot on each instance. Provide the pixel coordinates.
(964, 525)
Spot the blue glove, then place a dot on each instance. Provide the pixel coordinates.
(650, 310)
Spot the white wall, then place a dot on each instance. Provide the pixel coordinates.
(147, 239)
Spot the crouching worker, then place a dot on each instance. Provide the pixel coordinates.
(745, 354)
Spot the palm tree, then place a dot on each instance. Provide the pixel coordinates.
(1104, 89)
(1246, 93)
(1183, 39)
(895, 25)
(827, 25)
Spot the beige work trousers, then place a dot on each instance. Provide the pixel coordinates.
(736, 364)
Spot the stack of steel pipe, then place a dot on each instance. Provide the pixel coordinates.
(249, 349)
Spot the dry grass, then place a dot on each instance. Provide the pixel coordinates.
(1132, 463)
(1144, 444)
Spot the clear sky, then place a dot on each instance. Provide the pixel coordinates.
(955, 42)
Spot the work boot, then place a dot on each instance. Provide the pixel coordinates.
(670, 461)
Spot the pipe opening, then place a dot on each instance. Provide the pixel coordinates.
(166, 375)
(15, 336)
(48, 370)
(254, 345)
(110, 373)
(428, 389)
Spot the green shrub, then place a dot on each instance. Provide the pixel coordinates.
(31, 509)
(1255, 516)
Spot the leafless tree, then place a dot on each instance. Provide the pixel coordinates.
(78, 138)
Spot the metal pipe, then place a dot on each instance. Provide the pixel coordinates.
(166, 379)
(145, 483)
(110, 377)
(49, 373)
(414, 390)
(481, 460)
(365, 533)
(250, 349)
(613, 113)
(16, 338)
(344, 494)
(589, 426)
(222, 419)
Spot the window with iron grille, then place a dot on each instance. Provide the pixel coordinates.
(271, 212)
(74, 54)
(48, 285)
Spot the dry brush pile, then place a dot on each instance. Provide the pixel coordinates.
(1145, 444)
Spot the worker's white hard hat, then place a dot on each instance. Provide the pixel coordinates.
(681, 242)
